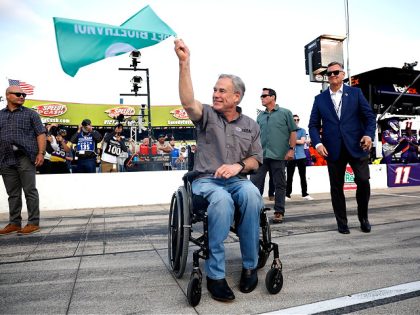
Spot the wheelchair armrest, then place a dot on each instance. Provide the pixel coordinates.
(190, 176)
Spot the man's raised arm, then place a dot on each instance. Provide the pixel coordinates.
(193, 107)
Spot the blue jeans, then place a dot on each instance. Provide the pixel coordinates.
(222, 195)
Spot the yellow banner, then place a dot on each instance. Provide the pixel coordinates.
(72, 114)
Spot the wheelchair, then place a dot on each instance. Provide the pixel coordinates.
(187, 209)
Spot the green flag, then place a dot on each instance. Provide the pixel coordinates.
(81, 43)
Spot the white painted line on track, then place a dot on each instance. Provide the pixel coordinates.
(396, 195)
(345, 301)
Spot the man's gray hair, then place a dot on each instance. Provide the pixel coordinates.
(238, 84)
(334, 63)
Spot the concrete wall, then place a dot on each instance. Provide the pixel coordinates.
(78, 191)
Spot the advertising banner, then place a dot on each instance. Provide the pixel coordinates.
(349, 179)
(102, 115)
(403, 174)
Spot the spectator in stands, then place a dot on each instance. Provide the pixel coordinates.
(113, 145)
(58, 161)
(163, 146)
(181, 161)
(85, 140)
(191, 155)
(52, 129)
(392, 142)
(174, 154)
(409, 152)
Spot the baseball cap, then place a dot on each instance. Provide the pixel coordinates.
(161, 136)
(86, 122)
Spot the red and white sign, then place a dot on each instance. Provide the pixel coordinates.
(115, 111)
(179, 113)
(349, 179)
(50, 110)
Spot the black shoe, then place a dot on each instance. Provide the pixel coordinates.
(249, 280)
(219, 290)
(343, 229)
(365, 225)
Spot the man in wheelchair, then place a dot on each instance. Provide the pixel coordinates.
(228, 147)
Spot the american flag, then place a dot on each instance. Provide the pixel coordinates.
(26, 87)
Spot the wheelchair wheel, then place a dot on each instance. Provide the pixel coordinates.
(274, 280)
(194, 290)
(178, 232)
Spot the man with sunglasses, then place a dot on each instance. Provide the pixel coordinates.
(348, 125)
(22, 149)
(278, 139)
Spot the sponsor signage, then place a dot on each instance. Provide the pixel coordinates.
(403, 174)
(349, 179)
(72, 114)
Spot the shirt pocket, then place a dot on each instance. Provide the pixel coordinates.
(243, 142)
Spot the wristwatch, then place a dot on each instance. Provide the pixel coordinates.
(291, 148)
(241, 164)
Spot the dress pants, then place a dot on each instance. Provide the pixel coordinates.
(278, 171)
(336, 172)
(17, 178)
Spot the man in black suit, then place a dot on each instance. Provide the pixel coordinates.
(348, 124)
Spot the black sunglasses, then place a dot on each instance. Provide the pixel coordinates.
(18, 94)
(296, 119)
(330, 73)
(265, 95)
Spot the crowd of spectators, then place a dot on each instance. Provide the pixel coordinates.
(88, 151)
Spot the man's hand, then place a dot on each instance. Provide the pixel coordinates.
(366, 143)
(322, 150)
(228, 170)
(182, 50)
(290, 155)
(39, 160)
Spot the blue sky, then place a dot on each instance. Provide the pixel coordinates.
(261, 41)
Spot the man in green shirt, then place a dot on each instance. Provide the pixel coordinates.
(278, 139)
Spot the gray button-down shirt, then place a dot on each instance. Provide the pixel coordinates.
(222, 142)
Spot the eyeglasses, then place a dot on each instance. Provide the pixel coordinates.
(265, 95)
(330, 73)
(296, 119)
(18, 94)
